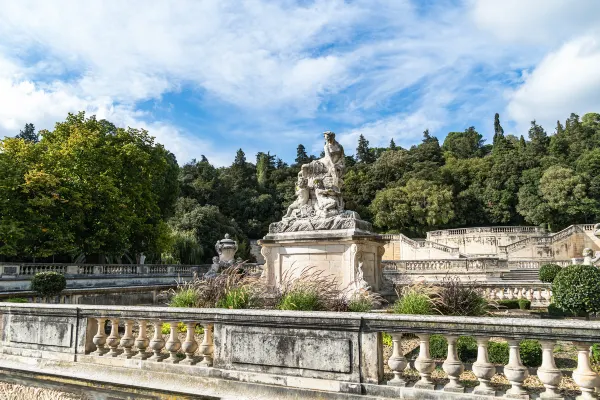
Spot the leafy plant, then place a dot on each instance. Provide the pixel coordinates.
(360, 304)
(416, 299)
(548, 272)
(48, 283)
(531, 353)
(181, 328)
(300, 299)
(457, 297)
(466, 347)
(185, 297)
(577, 288)
(524, 304)
(235, 298)
(16, 300)
(509, 304)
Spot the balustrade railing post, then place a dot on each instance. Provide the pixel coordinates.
(548, 373)
(584, 376)
(157, 343)
(207, 347)
(113, 338)
(453, 367)
(515, 372)
(128, 340)
(173, 344)
(141, 341)
(483, 369)
(424, 364)
(190, 345)
(100, 338)
(397, 362)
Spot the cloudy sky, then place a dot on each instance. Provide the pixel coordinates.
(208, 77)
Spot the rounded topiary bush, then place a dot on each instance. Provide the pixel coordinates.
(531, 353)
(48, 283)
(577, 288)
(548, 272)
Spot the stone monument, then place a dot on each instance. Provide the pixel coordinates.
(226, 249)
(317, 231)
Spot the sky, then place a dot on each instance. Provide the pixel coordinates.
(208, 77)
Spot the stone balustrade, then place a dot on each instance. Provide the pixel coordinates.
(486, 229)
(447, 265)
(278, 354)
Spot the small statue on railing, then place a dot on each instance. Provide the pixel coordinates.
(589, 258)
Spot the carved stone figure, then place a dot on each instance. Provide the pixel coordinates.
(319, 204)
(588, 257)
(226, 249)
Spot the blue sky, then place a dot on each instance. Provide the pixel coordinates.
(209, 77)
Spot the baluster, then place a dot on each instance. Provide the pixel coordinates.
(547, 295)
(141, 342)
(501, 294)
(189, 345)
(509, 294)
(127, 340)
(515, 372)
(99, 338)
(397, 362)
(584, 376)
(537, 294)
(424, 364)
(173, 344)
(483, 369)
(520, 293)
(453, 367)
(548, 373)
(530, 294)
(113, 339)
(207, 347)
(157, 343)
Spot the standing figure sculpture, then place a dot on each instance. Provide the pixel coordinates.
(319, 204)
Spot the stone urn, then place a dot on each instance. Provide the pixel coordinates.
(226, 249)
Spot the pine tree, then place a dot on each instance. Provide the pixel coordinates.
(498, 130)
(301, 156)
(392, 144)
(538, 140)
(203, 158)
(28, 134)
(240, 158)
(363, 152)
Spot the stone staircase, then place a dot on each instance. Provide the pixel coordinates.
(521, 275)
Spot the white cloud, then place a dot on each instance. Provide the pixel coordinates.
(565, 81)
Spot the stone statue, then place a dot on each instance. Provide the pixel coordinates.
(226, 249)
(588, 257)
(319, 204)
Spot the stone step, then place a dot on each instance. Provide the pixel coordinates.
(521, 275)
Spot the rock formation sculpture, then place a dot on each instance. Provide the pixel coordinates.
(319, 204)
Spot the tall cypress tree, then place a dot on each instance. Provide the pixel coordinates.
(498, 130)
(392, 144)
(301, 156)
(363, 152)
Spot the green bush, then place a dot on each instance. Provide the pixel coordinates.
(595, 353)
(48, 283)
(548, 272)
(360, 304)
(531, 353)
(413, 303)
(577, 288)
(498, 353)
(237, 298)
(524, 304)
(556, 311)
(181, 327)
(466, 347)
(16, 300)
(300, 300)
(184, 297)
(387, 339)
(509, 304)
(438, 346)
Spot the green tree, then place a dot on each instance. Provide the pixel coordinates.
(29, 134)
(363, 152)
(301, 156)
(465, 144)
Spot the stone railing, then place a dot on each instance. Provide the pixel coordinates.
(486, 229)
(446, 265)
(278, 354)
(529, 264)
(421, 243)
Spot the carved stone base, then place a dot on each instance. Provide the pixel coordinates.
(352, 256)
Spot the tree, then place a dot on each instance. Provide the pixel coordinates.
(465, 144)
(28, 134)
(301, 156)
(575, 289)
(392, 144)
(498, 130)
(538, 141)
(240, 158)
(363, 152)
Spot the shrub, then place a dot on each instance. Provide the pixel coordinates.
(577, 288)
(48, 283)
(181, 327)
(387, 339)
(414, 303)
(524, 304)
(16, 300)
(556, 311)
(456, 297)
(498, 352)
(236, 298)
(595, 353)
(509, 304)
(438, 346)
(301, 299)
(548, 272)
(360, 304)
(466, 347)
(531, 353)
(185, 297)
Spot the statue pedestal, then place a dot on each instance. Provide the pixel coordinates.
(346, 254)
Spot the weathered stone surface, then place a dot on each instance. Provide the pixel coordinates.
(36, 330)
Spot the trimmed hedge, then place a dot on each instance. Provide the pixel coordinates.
(548, 272)
(509, 304)
(555, 311)
(577, 288)
(529, 350)
(524, 304)
(48, 283)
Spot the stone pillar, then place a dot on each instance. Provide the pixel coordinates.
(453, 367)
(141, 342)
(127, 340)
(190, 345)
(483, 369)
(100, 338)
(584, 376)
(424, 364)
(173, 344)
(157, 343)
(397, 362)
(515, 372)
(113, 338)
(207, 347)
(548, 373)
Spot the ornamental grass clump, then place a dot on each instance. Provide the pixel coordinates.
(310, 289)
(416, 299)
(459, 298)
(48, 283)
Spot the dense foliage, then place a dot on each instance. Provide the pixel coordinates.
(90, 189)
(48, 283)
(577, 289)
(548, 272)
